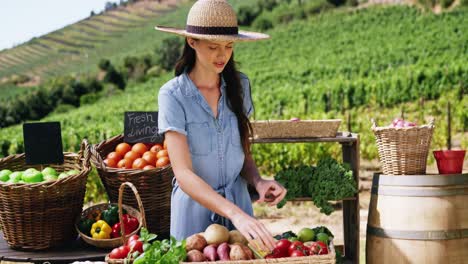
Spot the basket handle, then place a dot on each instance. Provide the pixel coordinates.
(374, 125)
(432, 122)
(85, 153)
(140, 207)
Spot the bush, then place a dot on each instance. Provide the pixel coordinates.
(169, 52)
(89, 98)
(262, 23)
(104, 64)
(266, 4)
(63, 108)
(155, 71)
(446, 3)
(246, 15)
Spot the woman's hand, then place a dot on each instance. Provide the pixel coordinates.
(251, 228)
(270, 191)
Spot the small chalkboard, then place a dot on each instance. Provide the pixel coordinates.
(141, 127)
(43, 143)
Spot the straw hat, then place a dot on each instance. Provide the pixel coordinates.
(213, 20)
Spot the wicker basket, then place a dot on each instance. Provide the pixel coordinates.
(403, 151)
(154, 186)
(329, 258)
(295, 129)
(115, 242)
(41, 215)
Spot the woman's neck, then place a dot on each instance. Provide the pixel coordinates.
(204, 79)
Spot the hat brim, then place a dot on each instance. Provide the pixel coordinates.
(241, 36)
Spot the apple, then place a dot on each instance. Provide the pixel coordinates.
(73, 172)
(15, 177)
(50, 177)
(32, 176)
(63, 175)
(49, 171)
(5, 175)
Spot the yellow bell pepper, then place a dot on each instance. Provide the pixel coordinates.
(101, 230)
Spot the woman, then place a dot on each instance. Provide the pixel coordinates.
(203, 113)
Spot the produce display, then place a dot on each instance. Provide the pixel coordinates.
(32, 175)
(105, 224)
(398, 123)
(328, 181)
(143, 156)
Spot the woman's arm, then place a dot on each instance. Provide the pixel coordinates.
(269, 191)
(203, 193)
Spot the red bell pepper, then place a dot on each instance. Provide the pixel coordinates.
(130, 224)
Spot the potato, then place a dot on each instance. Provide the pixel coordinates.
(223, 251)
(196, 241)
(236, 237)
(195, 256)
(247, 251)
(238, 253)
(210, 253)
(216, 234)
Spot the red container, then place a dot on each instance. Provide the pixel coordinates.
(449, 161)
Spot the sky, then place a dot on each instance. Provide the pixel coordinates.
(21, 20)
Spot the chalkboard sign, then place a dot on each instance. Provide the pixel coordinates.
(43, 143)
(141, 127)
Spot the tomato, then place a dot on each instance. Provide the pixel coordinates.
(295, 246)
(150, 157)
(135, 245)
(131, 155)
(139, 164)
(319, 248)
(133, 237)
(162, 153)
(162, 162)
(122, 148)
(114, 155)
(119, 253)
(110, 163)
(127, 163)
(297, 253)
(156, 148)
(139, 148)
(283, 246)
(149, 167)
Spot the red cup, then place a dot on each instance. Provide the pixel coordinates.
(449, 161)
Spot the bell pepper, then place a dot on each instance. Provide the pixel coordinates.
(130, 222)
(85, 225)
(101, 230)
(111, 215)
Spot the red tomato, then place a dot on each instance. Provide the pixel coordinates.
(162, 153)
(294, 246)
(323, 248)
(162, 162)
(114, 155)
(131, 155)
(150, 157)
(121, 164)
(139, 148)
(119, 253)
(156, 148)
(123, 148)
(110, 163)
(135, 245)
(126, 163)
(283, 247)
(133, 237)
(297, 253)
(139, 164)
(149, 167)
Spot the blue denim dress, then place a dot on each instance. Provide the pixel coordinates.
(215, 148)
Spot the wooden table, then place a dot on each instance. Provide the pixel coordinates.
(76, 250)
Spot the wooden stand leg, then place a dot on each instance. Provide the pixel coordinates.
(351, 213)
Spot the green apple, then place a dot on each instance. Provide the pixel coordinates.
(5, 175)
(32, 176)
(50, 177)
(15, 177)
(73, 172)
(63, 175)
(49, 171)
(306, 234)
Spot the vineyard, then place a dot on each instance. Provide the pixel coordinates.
(370, 63)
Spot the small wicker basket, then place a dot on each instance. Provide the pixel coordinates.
(403, 151)
(154, 186)
(115, 242)
(295, 129)
(42, 215)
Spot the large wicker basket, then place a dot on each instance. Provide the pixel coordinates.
(295, 129)
(41, 215)
(403, 151)
(154, 187)
(115, 242)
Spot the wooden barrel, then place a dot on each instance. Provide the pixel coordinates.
(418, 219)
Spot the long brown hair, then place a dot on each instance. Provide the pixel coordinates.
(234, 91)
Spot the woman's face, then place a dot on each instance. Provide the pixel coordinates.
(212, 55)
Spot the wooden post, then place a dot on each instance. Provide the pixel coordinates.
(402, 114)
(351, 213)
(349, 121)
(449, 128)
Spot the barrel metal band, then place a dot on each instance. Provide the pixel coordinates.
(418, 235)
(419, 192)
(420, 180)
